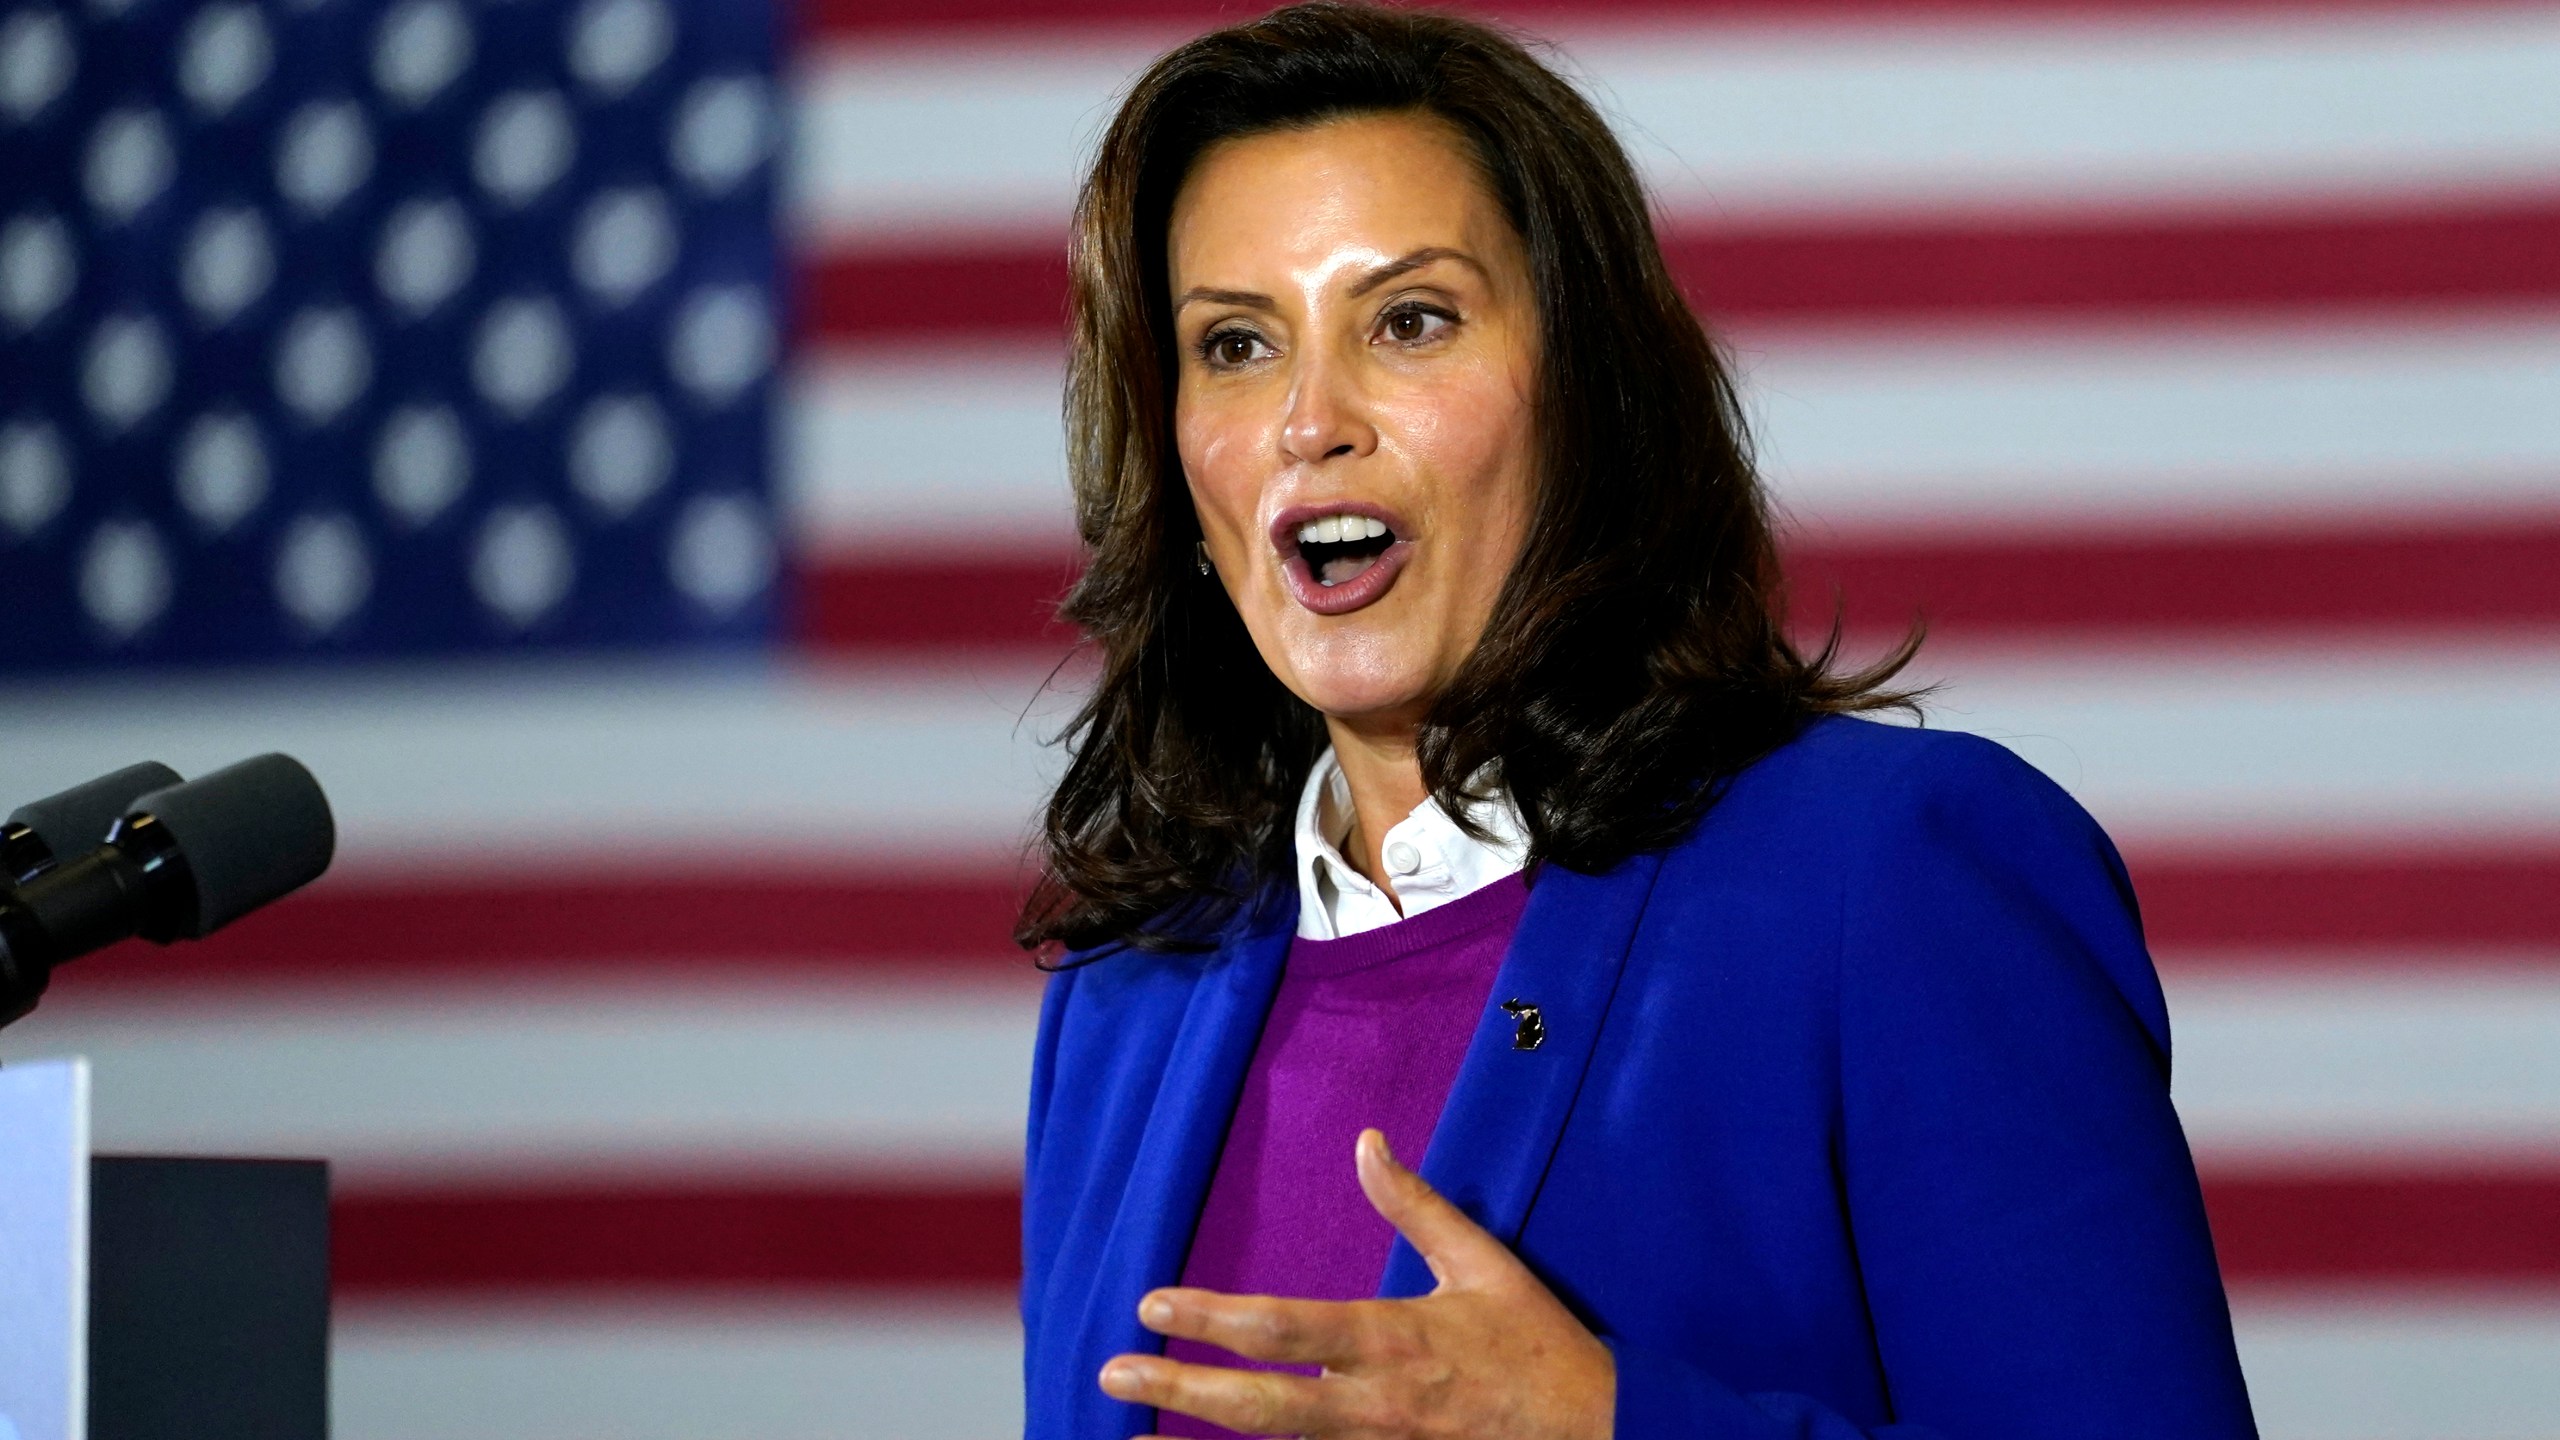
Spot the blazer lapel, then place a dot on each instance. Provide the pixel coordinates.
(1506, 1111)
(1178, 1153)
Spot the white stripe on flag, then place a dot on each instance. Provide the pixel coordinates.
(2444, 1066)
(2209, 425)
(2019, 115)
(582, 763)
(962, 135)
(944, 1370)
(948, 448)
(2207, 428)
(2322, 1365)
(2316, 745)
(645, 1075)
(631, 1074)
(2367, 1365)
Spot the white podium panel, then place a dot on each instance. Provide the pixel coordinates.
(44, 1250)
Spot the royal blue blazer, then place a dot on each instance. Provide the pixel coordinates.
(1851, 1120)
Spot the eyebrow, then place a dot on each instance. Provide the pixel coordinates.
(1248, 299)
(1393, 269)
(1396, 269)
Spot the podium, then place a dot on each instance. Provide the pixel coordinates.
(153, 1297)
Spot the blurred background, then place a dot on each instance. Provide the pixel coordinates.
(614, 443)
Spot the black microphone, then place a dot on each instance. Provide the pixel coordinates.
(72, 823)
(179, 864)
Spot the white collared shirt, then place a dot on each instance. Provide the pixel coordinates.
(1428, 858)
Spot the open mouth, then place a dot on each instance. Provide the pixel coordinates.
(1338, 558)
(1340, 548)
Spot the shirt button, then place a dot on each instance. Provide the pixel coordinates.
(1403, 859)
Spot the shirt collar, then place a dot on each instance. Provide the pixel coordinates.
(1441, 861)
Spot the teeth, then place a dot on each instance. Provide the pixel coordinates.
(1335, 529)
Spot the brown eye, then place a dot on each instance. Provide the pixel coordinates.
(1415, 324)
(1228, 349)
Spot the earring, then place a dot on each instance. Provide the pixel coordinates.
(1200, 556)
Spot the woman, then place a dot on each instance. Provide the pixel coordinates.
(1451, 787)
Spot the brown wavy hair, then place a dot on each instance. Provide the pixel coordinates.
(1637, 656)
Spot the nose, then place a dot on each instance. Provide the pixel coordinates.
(1326, 418)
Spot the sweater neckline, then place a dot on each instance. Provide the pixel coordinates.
(1496, 905)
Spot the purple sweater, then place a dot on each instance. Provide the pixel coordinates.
(1365, 1030)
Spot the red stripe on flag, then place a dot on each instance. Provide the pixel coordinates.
(2482, 251)
(950, 294)
(2353, 1227)
(2495, 899)
(2486, 574)
(1884, 269)
(864, 921)
(2481, 574)
(935, 604)
(679, 1237)
(2503, 1228)
(873, 19)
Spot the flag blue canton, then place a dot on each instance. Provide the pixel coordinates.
(343, 327)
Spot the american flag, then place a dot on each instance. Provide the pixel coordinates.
(615, 444)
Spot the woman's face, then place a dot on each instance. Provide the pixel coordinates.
(1358, 366)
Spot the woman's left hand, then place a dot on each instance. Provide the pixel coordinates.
(1490, 1354)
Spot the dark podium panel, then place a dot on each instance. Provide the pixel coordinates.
(208, 1299)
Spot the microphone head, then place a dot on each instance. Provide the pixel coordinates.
(251, 833)
(75, 822)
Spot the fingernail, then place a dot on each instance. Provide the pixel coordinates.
(1155, 1310)
(1378, 1142)
(1119, 1378)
